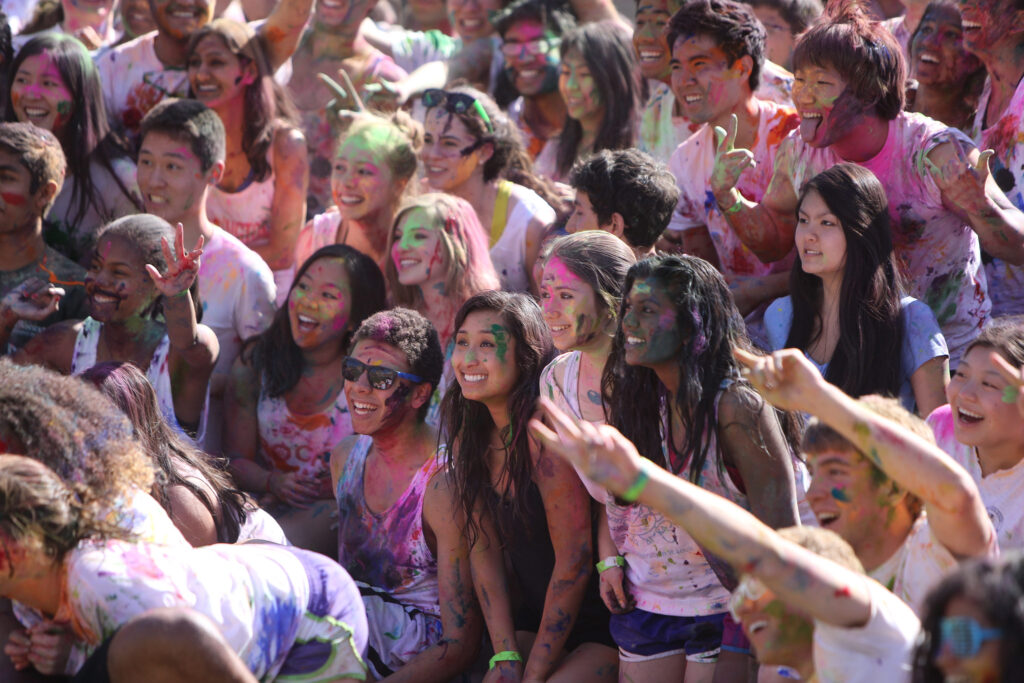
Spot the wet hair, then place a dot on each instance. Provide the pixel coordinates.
(74, 430)
(130, 390)
(554, 16)
(1005, 336)
(820, 438)
(733, 26)
(799, 14)
(824, 543)
(468, 424)
(414, 336)
(862, 51)
(598, 258)
(403, 139)
(996, 589)
(191, 122)
(867, 358)
(608, 53)
(86, 137)
(38, 151)
(266, 104)
(39, 511)
(711, 327)
(145, 233)
(509, 160)
(275, 356)
(632, 184)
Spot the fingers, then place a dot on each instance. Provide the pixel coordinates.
(982, 165)
(720, 136)
(179, 241)
(960, 153)
(550, 442)
(734, 125)
(353, 94)
(333, 86)
(1013, 376)
(154, 273)
(168, 254)
(565, 425)
(746, 358)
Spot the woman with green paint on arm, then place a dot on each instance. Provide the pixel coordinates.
(519, 504)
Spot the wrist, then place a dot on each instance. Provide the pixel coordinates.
(631, 494)
(505, 656)
(610, 562)
(728, 201)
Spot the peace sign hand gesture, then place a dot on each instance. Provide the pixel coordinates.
(181, 271)
(729, 161)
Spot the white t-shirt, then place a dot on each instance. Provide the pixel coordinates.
(509, 252)
(880, 651)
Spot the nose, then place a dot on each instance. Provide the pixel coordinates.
(817, 490)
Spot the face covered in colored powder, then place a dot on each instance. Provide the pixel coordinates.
(781, 635)
(983, 664)
(137, 18)
(471, 18)
(988, 24)
(170, 177)
(937, 53)
(361, 181)
(19, 208)
(320, 304)
(649, 325)
(416, 247)
(117, 285)
(579, 90)
(375, 409)
(484, 358)
(819, 237)
(828, 110)
(706, 83)
(449, 157)
(215, 74)
(571, 308)
(180, 18)
(39, 94)
(342, 16)
(650, 41)
(531, 57)
(981, 416)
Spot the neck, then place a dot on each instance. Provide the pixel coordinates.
(406, 443)
(375, 227)
(1004, 63)
(881, 546)
(668, 374)
(590, 127)
(864, 141)
(748, 117)
(643, 252)
(476, 190)
(999, 457)
(943, 102)
(170, 51)
(440, 306)
(498, 408)
(546, 111)
(22, 248)
(196, 224)
(232, 115)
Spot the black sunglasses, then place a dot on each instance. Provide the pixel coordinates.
(456, 103)
(380, 377)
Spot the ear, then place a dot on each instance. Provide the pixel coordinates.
(215, 173)
(45, 195)
(743, 66)
(249, 73)
(421, 394)
(486, 151)
(617, 226)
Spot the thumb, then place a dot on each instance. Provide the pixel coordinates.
(982, 165)
(720, 136)
(734, 126)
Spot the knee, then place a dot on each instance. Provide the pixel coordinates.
(158, 637)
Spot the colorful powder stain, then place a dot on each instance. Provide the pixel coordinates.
(13, 199)
(501, 340)
(55, 280)
(840, 494)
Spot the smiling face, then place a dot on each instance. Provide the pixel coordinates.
(704, 81)
(117, 286)
(781, 635)
(828, 111)
(362, 183)
(20, 209)
(320, 304)
(39, 94)
(342, 16)
(937, 54)
(484, 358)
(170, 177)
(981, 418)
(137, 17)
(470, 18)
(985, 666)
(93, 12)
(571, 308)
(444, 140)
(532, 70)
(650, 41)
(820, 240)
(649, 325)
(216, 75)
(579, 90)
(416, 247)
(375, 409)
(178, 19)
(990, 24)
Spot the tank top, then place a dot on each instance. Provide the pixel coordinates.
(246, 212)
(295, 442)
(388, 550)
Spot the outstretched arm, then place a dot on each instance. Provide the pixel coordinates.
(282, 30)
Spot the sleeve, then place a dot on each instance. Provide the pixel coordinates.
(254, 307)
(778, 318)
(922, 338)
(691, 212)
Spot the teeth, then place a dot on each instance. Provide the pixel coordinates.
(408, 262)
(634, 340)
(474, 378)
(206, 88)
(757, 626)
(435, 169)
(529, 73)
(157, 199)
(810, 252)
(810, 115)
(349, 199)
(472, 23)
(36, 112)
(560, 328)
(967, 413)
(929, 58)
(650, 55)
(306, 320)
(969, 25)
(827, 517)
(104, 298)
(183, 14)
(690, 99)
(361, 407)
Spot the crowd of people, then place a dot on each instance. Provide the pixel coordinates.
(512, 340)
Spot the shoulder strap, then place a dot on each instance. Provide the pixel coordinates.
(500, 217)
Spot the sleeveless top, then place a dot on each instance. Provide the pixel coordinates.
(509, 250)
(294, 442)
(246, 212)
(388, 550)
(320, 231)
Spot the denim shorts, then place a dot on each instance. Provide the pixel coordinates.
(644, 636)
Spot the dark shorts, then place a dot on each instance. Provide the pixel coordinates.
(644, 635)
(733, 638)
(591, 627)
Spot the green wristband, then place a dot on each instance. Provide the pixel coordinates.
(609, 562)
(633, 492)
(505, 656)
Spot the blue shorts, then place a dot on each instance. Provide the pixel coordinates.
(644, 635)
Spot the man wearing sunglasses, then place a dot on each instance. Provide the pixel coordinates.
(397, 535)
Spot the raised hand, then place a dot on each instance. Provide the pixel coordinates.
(785, 378)
(729, 161)
(962, 183)
(182, 270)
(346, 104)
(33, 299)
(1014, 392)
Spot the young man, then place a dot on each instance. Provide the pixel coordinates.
(140, 73)
(717, 60)
(397, 534)
(38, 285)
(850, 77)
(624, 192)
(181, 156)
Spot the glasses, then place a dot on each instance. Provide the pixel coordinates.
(750, 589)
(380, 377)
(531, 48)
(964, 636)
(456, 103)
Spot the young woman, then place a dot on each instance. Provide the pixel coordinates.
(93, 23)
(55, 86)
(515, 497)
(599, 81)
(472, 151)
(973, 628)
(285, 409)
(846, 309)
(372, 168)
(194, 490)
(142, 309)
(261, 197)
(673, 388)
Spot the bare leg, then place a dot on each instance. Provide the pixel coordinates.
(671, 669)
(735, 667)
(173, 644)
(591, 662)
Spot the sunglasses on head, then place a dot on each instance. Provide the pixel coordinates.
(456, 103)
(380, 377)
(964, 636)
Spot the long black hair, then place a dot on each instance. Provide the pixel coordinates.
(275, 356)
(711, 328)
(611, 58)
(468, 424)
(867, 356)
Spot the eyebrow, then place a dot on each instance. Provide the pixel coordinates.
(831, 460)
